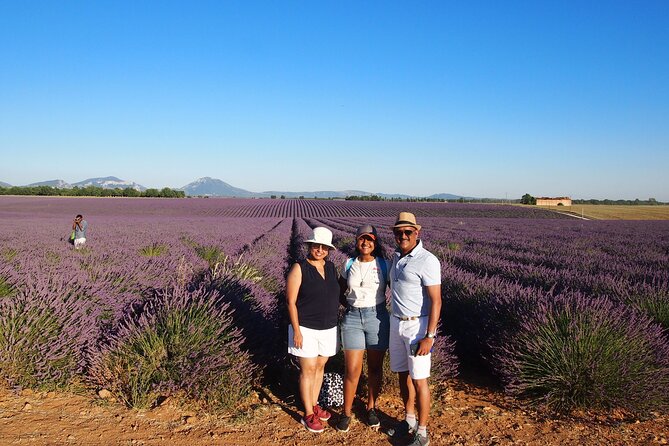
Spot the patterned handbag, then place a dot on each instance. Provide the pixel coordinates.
(332, 390)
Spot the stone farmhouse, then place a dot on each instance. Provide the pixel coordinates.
(558, 201)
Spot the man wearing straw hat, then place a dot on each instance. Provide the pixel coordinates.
(415, 284)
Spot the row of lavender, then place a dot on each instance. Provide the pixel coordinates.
(568, 313)
(259, 208)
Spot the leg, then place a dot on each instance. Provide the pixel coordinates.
(423, 396)
(318, 379)
(308, 367)
(375, 372)
(404, 428)
(353, 360)
(407, 392)
(399, 362)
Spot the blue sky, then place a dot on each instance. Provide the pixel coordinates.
(485, 99)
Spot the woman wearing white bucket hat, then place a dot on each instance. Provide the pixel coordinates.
(312, 295)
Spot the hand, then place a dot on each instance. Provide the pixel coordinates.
(424, 346)
(297, 339)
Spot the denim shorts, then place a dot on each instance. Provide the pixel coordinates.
(365, 328)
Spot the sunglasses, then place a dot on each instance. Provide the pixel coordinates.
(367, 238)
(407, 232)
(317, 246)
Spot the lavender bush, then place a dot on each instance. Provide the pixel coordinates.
(45, 328)
(183, 341)
(578, 352)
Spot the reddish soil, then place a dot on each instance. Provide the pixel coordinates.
(464, 415)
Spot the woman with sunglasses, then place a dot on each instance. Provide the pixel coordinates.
(365, 326)
(312, 294)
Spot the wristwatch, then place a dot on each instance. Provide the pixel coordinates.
(431, 335)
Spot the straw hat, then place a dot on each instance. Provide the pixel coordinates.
(406, 219)
(321, 236)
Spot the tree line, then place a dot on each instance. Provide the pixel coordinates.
(91, 191)
(427, 199)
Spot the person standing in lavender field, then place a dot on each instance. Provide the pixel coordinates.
(365, 325)
(79, 226)
(312, 293)
(415, 298)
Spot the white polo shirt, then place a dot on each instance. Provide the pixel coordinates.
(409, 276)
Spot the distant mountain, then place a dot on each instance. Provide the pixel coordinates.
(58, 184)
(447, 197)
(213, 187)
(109, 183)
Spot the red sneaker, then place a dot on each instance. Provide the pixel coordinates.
(321, 413)
(313, 423)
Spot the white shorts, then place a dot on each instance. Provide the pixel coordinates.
(314, 342)
(79, 242)
(402, 335)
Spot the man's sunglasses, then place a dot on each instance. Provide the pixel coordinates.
(407, 232)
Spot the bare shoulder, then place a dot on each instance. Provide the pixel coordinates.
(295, 271)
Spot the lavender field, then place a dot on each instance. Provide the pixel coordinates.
(186, 296)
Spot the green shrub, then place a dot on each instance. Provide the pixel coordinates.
(9, 253)
(237, 269)
(153, 250)
(6, 289)
(211, 254)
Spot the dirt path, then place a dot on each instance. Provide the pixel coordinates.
(465, 415)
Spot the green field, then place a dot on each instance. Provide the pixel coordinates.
(614, 212)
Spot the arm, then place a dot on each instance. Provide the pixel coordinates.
(293, 282)
(434, 292)
(343, 287)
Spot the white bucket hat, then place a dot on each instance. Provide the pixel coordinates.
(321, 236)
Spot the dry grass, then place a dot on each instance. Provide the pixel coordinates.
(614, 212)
